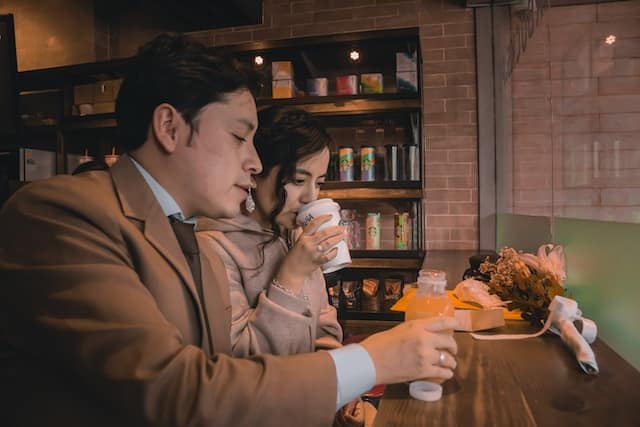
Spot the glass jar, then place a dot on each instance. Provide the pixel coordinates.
(348, 219)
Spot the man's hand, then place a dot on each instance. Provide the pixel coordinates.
(412, 349)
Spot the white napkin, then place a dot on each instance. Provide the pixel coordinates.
(472, 290)
(563, 312)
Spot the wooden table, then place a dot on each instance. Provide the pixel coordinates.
(532, 382)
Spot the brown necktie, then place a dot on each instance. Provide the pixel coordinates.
(187, 239)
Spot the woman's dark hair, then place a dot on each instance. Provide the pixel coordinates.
(179, 71)
(284, 137)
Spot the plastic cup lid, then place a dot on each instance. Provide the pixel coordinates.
(317, 208)
(425, 390)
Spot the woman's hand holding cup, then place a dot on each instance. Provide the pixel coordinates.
(313, 248)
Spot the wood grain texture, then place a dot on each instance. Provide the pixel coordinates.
(372, 193)
(532, 382)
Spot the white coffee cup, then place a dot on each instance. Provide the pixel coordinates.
(320, 207)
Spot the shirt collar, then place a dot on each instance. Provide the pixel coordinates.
(167, 202)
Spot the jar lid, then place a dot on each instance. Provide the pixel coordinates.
(437, 275)
(433, 279)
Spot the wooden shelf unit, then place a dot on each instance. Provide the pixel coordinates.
(388, 109)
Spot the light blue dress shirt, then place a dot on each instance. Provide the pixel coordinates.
(355, 372)
(167, 202)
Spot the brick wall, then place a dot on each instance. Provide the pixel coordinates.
(449, 79)
(576, 115)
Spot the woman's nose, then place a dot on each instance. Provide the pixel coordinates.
(309, 194)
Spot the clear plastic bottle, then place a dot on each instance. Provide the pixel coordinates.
(430, 299)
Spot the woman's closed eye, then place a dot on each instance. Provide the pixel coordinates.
(239, 138)
(303, 181)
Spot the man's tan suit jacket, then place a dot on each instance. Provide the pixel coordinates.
(101, 324)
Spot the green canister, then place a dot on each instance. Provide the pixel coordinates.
(401, 230)
(367, 163)
(345, 155)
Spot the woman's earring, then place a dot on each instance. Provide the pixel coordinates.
(249, 203)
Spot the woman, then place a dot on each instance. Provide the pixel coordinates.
(278, 294)
(279, 302)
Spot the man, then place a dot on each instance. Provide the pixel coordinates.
(106, 321)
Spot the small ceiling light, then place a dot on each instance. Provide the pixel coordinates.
(354, 55)
(258, 60)
(611, 39)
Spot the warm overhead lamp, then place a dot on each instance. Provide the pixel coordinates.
(611, 39)
(354, 55)
(258, 60)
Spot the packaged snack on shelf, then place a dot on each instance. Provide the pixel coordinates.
(350, 293)
(392, 292)
(334, 295)
(407, 81)
(371, 83)
(318, 87)
(369, 299)
(406, 72)
(347, 85)
(406, 61)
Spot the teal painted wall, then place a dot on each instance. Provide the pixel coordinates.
(603, 271)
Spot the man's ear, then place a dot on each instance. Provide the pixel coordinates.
(166, 122)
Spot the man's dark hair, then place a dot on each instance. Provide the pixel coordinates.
(284, 137)
(177, 70)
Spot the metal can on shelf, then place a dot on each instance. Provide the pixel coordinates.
(345, 155)
(392, 161)
(401, 230)
(333, 171)
(412, 162)
(367, 163)
(372, 240)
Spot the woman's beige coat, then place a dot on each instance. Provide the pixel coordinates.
(264, 318)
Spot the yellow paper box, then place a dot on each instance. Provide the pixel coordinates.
(469, 317)
(478, 320)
